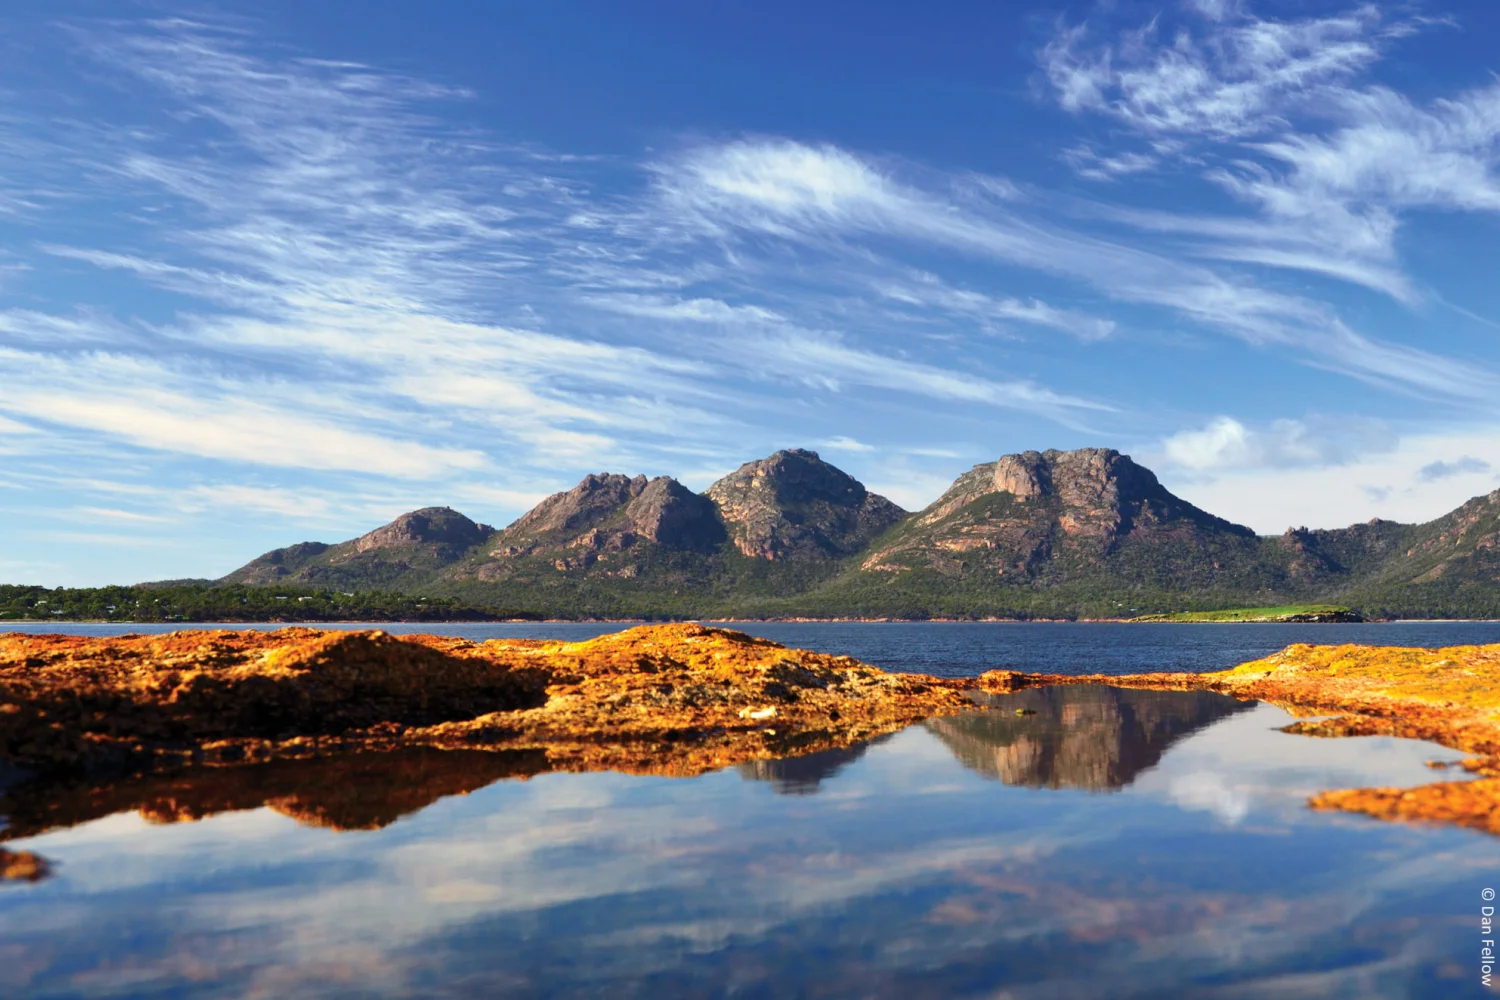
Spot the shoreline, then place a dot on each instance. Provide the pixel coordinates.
(794, 620)
(670, 700)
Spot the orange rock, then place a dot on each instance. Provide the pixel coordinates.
(677, 699)
(22, 866)
(666, 699)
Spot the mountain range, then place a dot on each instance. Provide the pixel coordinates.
(1085, 533)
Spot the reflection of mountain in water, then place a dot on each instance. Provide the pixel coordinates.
(802, 775)
(1085, 736)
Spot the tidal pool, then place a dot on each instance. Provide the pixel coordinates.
(1071, 842)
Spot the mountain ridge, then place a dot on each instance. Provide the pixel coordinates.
(1080, 533)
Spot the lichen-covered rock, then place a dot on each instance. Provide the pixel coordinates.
(667, 699)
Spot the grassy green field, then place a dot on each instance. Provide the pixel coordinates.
(1285, 612)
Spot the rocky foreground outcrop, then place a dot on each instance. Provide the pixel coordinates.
(351, 730)
(668, 699)
(1449, 696)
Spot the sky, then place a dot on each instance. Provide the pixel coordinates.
(280, 271)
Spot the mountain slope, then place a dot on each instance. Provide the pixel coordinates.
(616, 545)
(1448, 568)
(619, 546)
(603, 526)
(1050, 515)
(795, 505)
(1085, 533)
(1059, 532)
(402, 554)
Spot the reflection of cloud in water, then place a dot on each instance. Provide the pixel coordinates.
(587, 885)
(1251, 769)
(1210, 791)
(1084, 736)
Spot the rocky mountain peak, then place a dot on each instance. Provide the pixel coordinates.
(794, 503)
(1013, 516)
(428, 526)
(1084, 476)
(670, 514)
(794, 475)
(606, 519)
(597, 496)
(1023, 476)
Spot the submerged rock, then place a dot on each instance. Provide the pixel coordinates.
(22, 866)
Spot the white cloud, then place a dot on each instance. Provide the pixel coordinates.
(155, 407)
(707, 196)
(778, 186)
(1274, 113)
(1233, 82)
(1226, 443)
(8, 426)
(828, 362)
(847, 444)
(1106, 167)
(115, 514)
(701, 310)
(928, 291)
(1383, 483)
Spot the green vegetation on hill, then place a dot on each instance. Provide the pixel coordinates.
(1283, 613)
(1076, 534)
(199, 602)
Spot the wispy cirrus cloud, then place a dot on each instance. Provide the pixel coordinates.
(154, 406)
(817, 196)
(1281, 116)
(346, 239)
(296, 287)
(1234, 76)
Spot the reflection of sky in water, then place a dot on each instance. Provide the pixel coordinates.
(898, 872)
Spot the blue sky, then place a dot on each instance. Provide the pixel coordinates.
(270, 273)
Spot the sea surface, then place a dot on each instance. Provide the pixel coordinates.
(1076, 842)
(963, 649)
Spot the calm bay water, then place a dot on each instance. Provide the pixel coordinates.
(1110, 844)
(962, 649)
